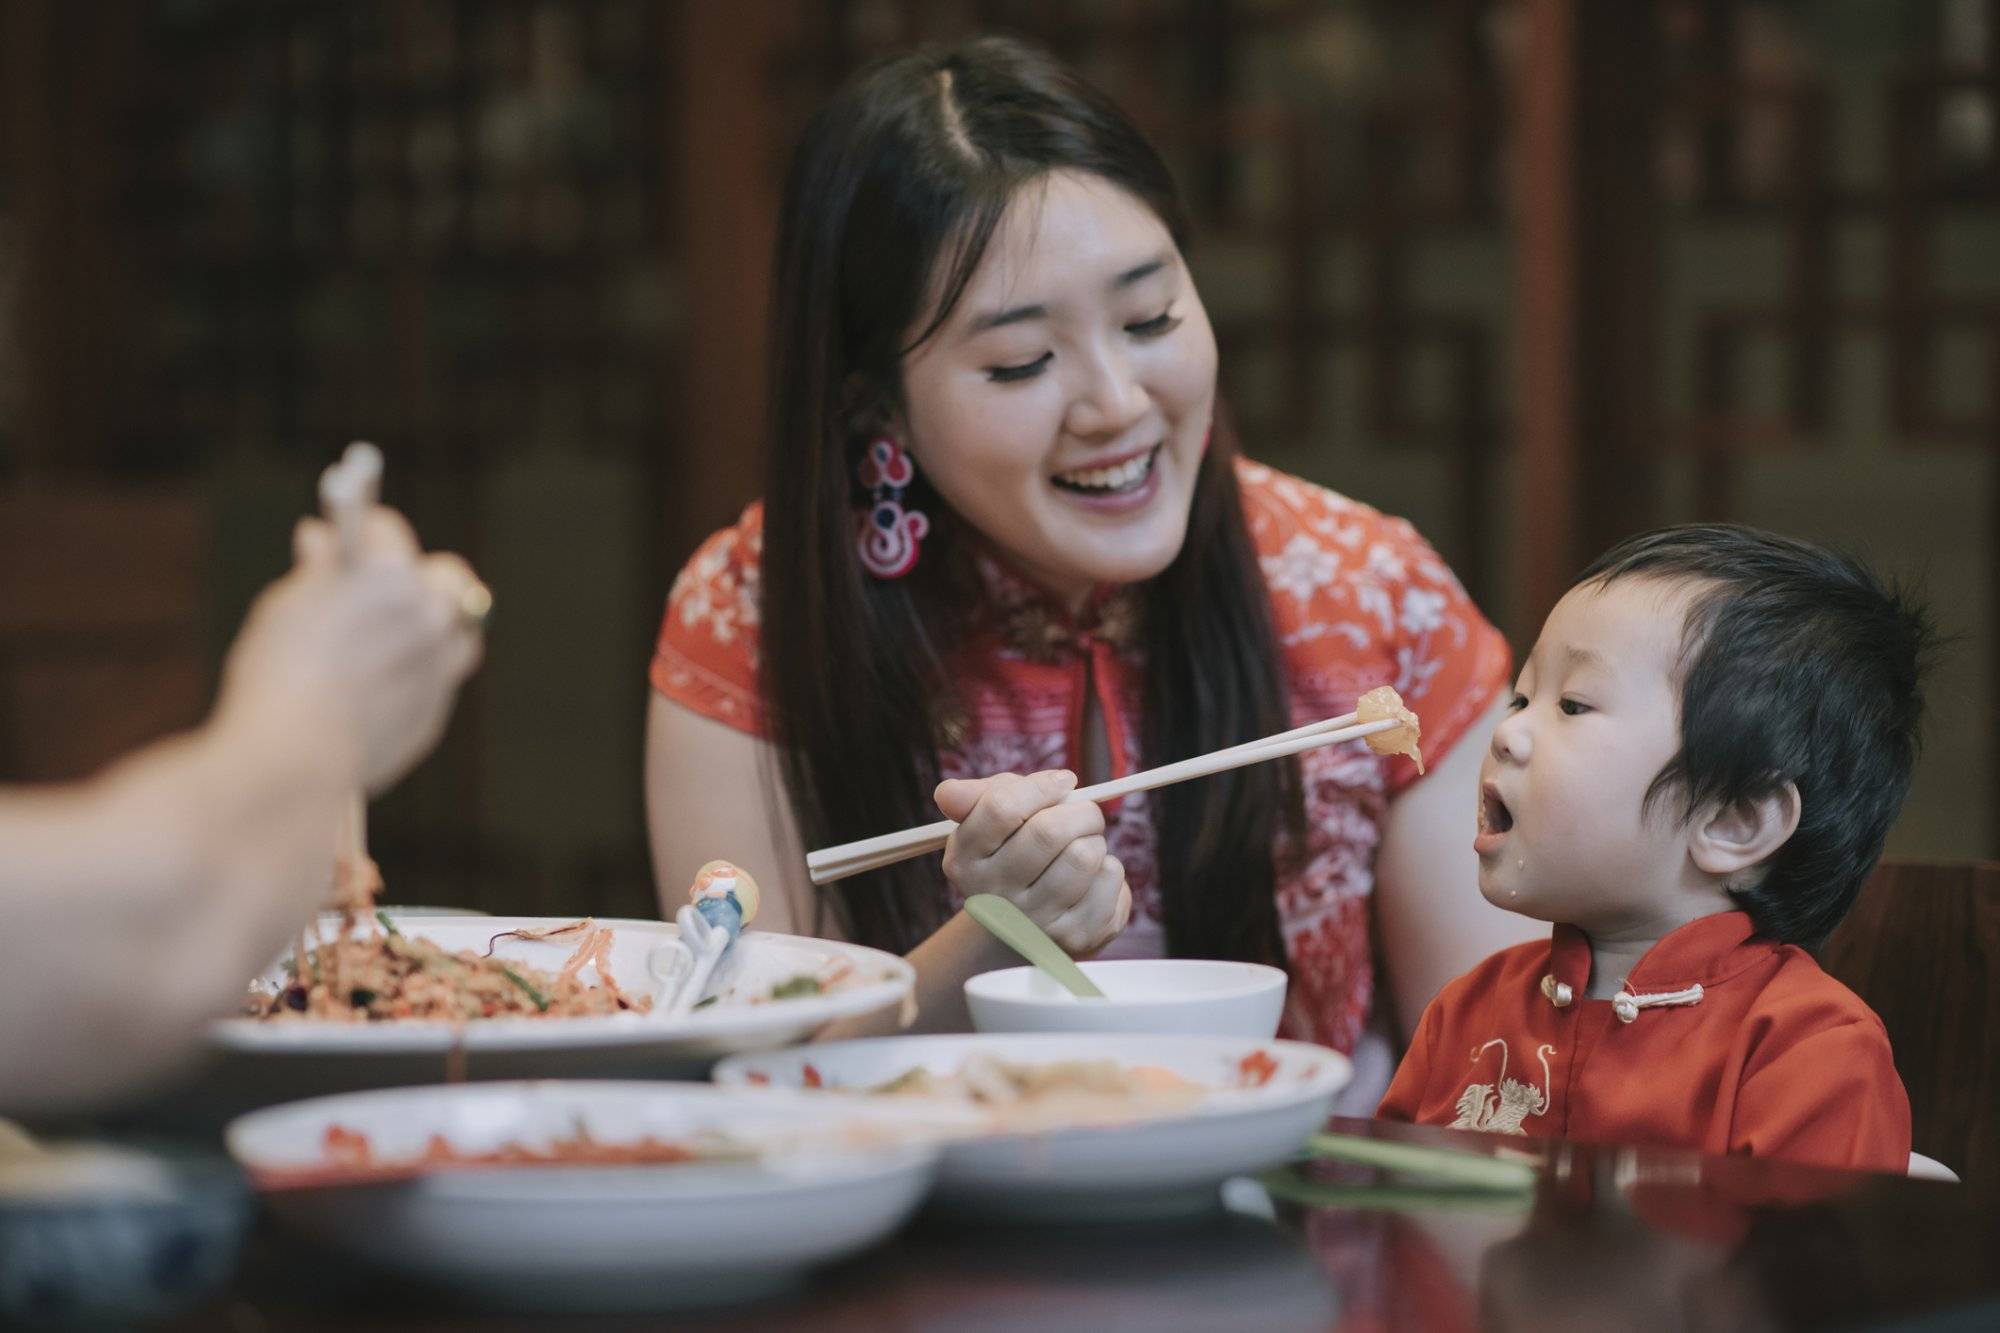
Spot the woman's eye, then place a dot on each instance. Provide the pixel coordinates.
(1163, 323)
(1027, 370)
(1575, 707)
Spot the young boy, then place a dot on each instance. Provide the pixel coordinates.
(1704, 753)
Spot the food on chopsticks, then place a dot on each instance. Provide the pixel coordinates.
(1383, 704)
(387, 975)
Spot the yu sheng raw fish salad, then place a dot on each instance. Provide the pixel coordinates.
(366, 974)
(371, 977)
(1018, 1096)
(350, 1157)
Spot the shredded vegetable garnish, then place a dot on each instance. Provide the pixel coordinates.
(350, 1156)
(1066, 1092)
(373, 978)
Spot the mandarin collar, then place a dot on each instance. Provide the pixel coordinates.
(1705, 951)
(1037, 624)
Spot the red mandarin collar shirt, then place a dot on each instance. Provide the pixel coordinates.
(1719, 1040)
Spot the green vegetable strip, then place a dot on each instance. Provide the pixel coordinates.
(533, 994)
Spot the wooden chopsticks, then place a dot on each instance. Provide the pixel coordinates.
(347, 493)
(852, 858)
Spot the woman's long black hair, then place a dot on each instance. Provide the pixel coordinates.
(890, 202)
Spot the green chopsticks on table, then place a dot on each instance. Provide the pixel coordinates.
(1285, 1185)
(1444, 1166)
(1428, 1178)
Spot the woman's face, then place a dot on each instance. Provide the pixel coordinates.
(1063, 408)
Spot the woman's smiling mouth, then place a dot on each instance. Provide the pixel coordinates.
(1117, 479)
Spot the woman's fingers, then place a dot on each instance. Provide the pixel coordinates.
(313, 544)
(1054, 853)
(1005, 803)
(1098, 914)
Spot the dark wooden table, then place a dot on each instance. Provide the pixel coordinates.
(1609, 1239)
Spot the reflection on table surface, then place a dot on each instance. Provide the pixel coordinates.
(1607, 1238)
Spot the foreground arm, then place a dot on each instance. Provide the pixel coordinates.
(141, 901)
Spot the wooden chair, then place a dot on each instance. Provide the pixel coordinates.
(1922, 947)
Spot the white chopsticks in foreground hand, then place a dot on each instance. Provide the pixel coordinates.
(1380, 718)
(348, 491)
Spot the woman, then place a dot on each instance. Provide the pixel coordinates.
(1006, 531)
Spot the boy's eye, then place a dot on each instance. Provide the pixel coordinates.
(1575, 707)
(1517, 703)
(1025, 371)
(1163, 323)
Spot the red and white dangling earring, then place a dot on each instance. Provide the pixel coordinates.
(889, 536)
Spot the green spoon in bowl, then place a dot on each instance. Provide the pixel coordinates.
(1011, 926)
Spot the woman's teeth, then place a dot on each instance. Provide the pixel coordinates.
(1124, 477)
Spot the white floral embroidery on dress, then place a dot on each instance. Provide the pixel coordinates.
(1423, 610)
(1414, 671)
(1302, 568)
(1385, 563)
(717, 590)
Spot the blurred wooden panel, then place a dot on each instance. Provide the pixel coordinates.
(100, 626)
(82, 562)
(72, 712)
(1922, 947)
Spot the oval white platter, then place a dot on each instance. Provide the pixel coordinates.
(1149, 1166)
(742, 1019)
(606, 1237)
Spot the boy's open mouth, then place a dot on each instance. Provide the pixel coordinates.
(1494, 816)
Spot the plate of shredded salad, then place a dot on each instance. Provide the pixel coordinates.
(1077, 1127)
(544, 987)
(583, 1193)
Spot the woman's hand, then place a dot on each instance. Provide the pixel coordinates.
(1021, 838)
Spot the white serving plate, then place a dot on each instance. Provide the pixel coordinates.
(348, 1055)
(754, 964)
(1154, 1167)
(617, 1237)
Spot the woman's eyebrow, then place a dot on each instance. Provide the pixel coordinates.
(994, 319)
(998, 318)
(1139, 273)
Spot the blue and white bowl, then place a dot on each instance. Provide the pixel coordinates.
(92, 1233)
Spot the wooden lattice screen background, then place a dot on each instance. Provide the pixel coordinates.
(520, 242)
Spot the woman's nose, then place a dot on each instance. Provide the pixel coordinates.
(1112, 401)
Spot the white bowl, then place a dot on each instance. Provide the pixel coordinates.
(594, 1237)
(1190, 996)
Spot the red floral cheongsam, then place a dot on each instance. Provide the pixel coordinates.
(1359, 600)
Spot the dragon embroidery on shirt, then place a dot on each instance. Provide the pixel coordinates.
(1500, 1107)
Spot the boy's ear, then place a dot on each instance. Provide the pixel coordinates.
(1726, 840)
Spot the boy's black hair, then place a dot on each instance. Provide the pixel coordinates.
(1797, 665)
